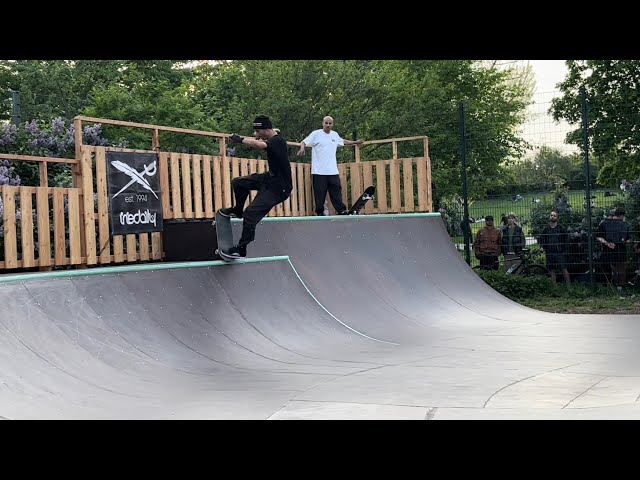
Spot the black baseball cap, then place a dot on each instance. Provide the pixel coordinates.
(488, 217)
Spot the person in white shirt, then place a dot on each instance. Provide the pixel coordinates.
(324, 143)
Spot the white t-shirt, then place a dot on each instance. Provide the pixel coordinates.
(323, 151)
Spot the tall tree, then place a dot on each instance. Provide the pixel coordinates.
(613, 111)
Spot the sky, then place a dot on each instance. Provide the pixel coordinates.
(540, 128)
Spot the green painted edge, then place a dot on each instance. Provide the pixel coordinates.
(133, 268)
(344, 217)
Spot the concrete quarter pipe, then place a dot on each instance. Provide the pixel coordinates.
(366, 317)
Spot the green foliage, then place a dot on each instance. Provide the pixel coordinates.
(517, 287)
(613, 113)
(375, 100)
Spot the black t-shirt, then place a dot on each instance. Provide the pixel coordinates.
(278, 158)
(554, 240)
(613, 230)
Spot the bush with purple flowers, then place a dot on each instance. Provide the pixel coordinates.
(53, 139)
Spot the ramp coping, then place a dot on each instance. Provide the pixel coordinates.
(133, 268)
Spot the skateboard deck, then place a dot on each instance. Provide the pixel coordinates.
(224, 234)
(362, 201)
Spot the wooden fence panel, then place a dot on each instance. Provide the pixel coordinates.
(89, 227)
(217, 184)
(226, 182)
(197, 186)
(208, 186)
(164, 185)
(407, 174)
(187, 206)
(381, 186)
(293, 199)
(10, 231)
(26, 226)
(175, 186)
(58, 227)
(104, 244)
(421, 175)
(394, 180)
(367, 179)
(75, 247)
(44, 235)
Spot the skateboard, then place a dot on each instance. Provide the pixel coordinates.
(361, 202)
(224, 234)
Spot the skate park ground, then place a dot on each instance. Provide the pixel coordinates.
(362, 317)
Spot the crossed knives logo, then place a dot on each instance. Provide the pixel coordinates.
(136, 176)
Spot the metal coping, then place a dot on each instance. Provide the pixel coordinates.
(133, 268)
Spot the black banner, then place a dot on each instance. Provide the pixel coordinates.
(134, 192)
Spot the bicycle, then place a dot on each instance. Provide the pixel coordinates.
(526, 267)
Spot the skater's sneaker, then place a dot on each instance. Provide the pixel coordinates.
(344, 212)
(230, 212)
(236, 251)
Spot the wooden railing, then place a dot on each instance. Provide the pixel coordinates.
(193, 187)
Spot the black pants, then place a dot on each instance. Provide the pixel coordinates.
(489, 261)
(270, 194)
(330, 183)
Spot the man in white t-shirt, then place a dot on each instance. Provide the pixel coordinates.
(324, 166)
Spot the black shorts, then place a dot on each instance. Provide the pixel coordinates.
(556, 261)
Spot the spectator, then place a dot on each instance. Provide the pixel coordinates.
(512, 241)
(324, 143)
(487, 245)
(613, 235)
(554, 242)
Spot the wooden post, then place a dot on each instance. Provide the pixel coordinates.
(77, 183)
(428, 161)
(44, 180)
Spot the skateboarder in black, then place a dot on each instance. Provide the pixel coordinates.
(273, 186)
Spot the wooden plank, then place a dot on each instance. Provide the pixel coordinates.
(34, 158)
(44, 232)
(74, 226)
(118, 249)
(104, 247)
(356, 182)
(422, 184)
(235, 167)
(176, 201)
(197, 186)
(144, 246)
(253, 168)
(156, 245)
(301, 189)
(293, 198)
(207, 186)
(217, 184)
(44, 176)
(428, 167)
(394, 181)
(367, 179)
(59, 238)
(132, 254)
(391, 140)
(82, 118)
(89, 209)
(342, 171)
(308, 189)
(164, 185)
(407, 174)
(10, 233)
(226, 182)
(186, 185)
(27, 227)
(381, 186)
(394, 147)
